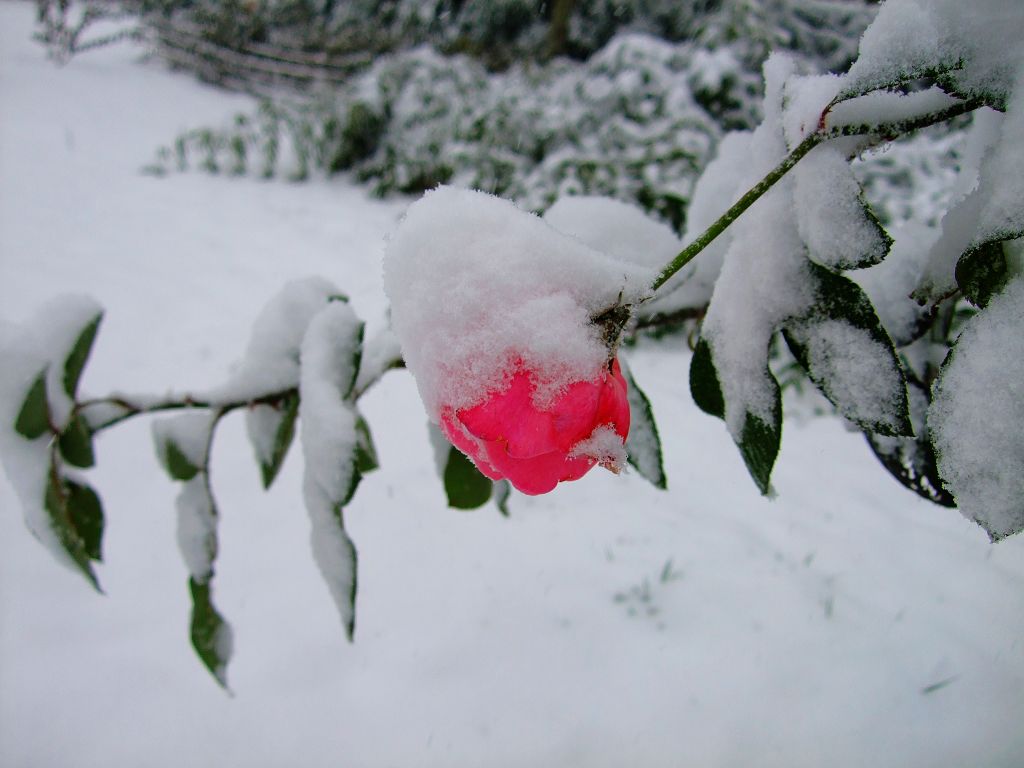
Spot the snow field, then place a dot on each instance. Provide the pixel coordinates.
(845, 623)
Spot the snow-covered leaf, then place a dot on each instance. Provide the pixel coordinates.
(34, 416)
(271, 360)
(759, 437)
(840, 230)
(643, 446)
(211, 635)
(982, 272)
(465, 487)
(330, 434)
(911, 460)
(271, 430)
(333, 551)
(849, 356)
(336, 450)
(977, 412)
(197, 527)
(182, 442)
(176, 463)
(75, 443)
(759, 443)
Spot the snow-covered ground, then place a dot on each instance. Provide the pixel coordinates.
(846, 623)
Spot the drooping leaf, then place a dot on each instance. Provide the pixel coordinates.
(333, 551)
(344, 582)
(34, 417)
(465, 486)
(704, 385)
(366, 453)
(177, 464)
(976, 414)
(643, 446)
(759, 443)
(759, 440)
(284, 434)
(75, 443)
(75, 362)
(911, 460)
(833, 217)
(849, 356)
(211, 635)
(982, 272)
(85, 512)
(57, 503)
(348, 381)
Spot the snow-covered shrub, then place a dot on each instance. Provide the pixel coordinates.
(636, 121)
(512, 324)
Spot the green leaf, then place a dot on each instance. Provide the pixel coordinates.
(465, 486)
(849, 356)
(357, 358)
(283, 437)
(366, 453)
(911, 460)
(58, 502)
(759, 443)
(211, 636)
(177, 463)
(79, 355)
(982, 272)
(75, 443)
(502, 493)
(704, 385)
(85, 512)
(759, 439)
(345, 598)
(34, 417)
(643, 446)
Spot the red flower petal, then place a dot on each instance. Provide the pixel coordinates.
(538, 474)
(507, 436)
(468, 444)
(510, 416)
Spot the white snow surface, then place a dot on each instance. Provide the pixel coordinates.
(477, 284)
(801, 632)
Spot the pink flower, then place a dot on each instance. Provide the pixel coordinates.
(508, 436)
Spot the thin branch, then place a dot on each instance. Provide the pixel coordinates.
(884, 132)
(708, 236)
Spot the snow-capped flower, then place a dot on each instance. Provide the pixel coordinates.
(536, 445)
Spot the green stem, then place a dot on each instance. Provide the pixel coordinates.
(884, 132)
(690, 252)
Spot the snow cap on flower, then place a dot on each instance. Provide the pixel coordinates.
(493, 309)
(476, 285)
